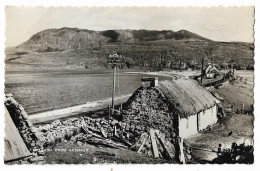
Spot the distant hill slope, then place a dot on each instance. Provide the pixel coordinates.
(74, 38)
(141, 48)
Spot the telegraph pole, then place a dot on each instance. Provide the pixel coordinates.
(114, 61)
(114, 89)
(202, 63)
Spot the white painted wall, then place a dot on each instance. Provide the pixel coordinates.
(207, 117)
(189, 126)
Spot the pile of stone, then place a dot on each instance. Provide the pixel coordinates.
(108, 133)
(86, 129)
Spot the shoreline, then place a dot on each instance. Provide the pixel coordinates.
(75, 110)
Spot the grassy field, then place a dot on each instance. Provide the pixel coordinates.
(239, 92)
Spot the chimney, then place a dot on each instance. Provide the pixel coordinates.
(148, 82)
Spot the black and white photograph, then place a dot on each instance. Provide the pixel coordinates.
(129, 85)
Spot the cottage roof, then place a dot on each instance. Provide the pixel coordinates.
(211, 68)
(186, 96)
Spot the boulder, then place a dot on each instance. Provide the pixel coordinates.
(24, 114)
(36, 159)
(40, 153)
(29, 123)
(33, 129)
(56, 123)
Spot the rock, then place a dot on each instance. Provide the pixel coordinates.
(74, 119)
(40, 153)
(79, 143)
(33, 143)
(38, 134)
(9, 95)
(33, 129)
(41, 162)
(64, 122)
(23, 162)
(98, 124)
(127, 128)
(56, 123)
(36, 159)
(123, 125)
(132, 128)
(24, 114)
(29, 123)
(138, 128)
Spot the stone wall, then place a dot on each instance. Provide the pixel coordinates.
(26, 129)
(147, 109)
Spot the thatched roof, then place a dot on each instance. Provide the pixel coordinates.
(186, 96)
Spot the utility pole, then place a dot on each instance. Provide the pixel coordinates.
(202, 63)
(232, 70)
(114, 61)
(113, 91)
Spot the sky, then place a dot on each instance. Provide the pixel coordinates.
(216, 23)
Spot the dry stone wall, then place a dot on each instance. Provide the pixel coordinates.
(147, 109)
(26, 129)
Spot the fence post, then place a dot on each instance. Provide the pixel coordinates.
(109, 114)
(242, 108)
(232, 108)
(219, 149)
(181, 156)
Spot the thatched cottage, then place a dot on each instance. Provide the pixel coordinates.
(180, 107)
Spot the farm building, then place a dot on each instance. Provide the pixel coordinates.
(211, 71)
(178, 108)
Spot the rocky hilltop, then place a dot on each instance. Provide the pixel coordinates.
(74, 38)
(73, 47)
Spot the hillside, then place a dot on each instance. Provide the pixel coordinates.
(73, 47)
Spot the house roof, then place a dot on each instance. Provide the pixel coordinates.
(211, 68)
(186, 96)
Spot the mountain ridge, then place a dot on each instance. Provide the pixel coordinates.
(74, 47)
(74, 38)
